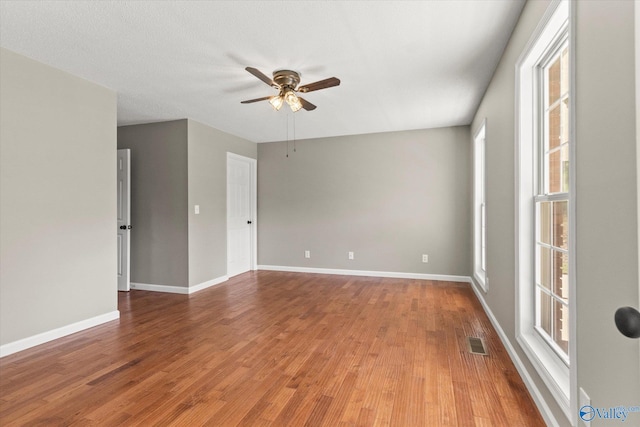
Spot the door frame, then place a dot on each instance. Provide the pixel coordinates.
(253, 195)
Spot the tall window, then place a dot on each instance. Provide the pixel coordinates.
(545, 209)
(479, 212)
(551, 204)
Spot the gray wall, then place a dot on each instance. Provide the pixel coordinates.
(174, 166)
(57, 199)
(606, 196)
(388, 197)
(207, 158)
(159, 237)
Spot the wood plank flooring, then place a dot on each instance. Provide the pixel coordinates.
(276, 349)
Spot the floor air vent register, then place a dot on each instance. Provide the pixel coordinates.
(476, 346)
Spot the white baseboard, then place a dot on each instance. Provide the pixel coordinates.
(208, 284)
(397, 275)
(44, 337)
(178, 289)
(544, 409)
(159, 288)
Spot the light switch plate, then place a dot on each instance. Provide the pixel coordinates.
(197, 209)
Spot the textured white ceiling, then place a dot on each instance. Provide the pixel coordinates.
(403, 64)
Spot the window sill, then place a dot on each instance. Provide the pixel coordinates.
(554, 373)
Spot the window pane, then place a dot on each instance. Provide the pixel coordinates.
(564, 162)
(554, 174)
(544, 311)
(561, 325)
(560, 224)
(551, 281)
(553, 76)
(564, 74)
(555, 126)
(560, 275)
(564, 121)
(544, 267)
(544, 222)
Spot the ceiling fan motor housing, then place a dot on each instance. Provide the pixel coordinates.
(286, 78)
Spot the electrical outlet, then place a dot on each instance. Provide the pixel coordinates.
(425, 258)
(350, 255)
(307, 254)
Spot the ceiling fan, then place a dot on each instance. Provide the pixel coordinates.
(286, 81)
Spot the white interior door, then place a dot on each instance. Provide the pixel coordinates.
(241, 224)
(124, 219)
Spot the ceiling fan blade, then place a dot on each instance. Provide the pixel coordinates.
(249, 101)
(306, 104)
(322, 84)
(261, 76)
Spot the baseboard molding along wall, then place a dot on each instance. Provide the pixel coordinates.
(544, 409)
(397, 275)
(44, 337)
(178, 289)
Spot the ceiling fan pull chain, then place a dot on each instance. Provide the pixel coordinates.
(294, 133)
(287, 134)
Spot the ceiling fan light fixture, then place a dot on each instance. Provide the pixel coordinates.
(293, 101)
(276, 102)
(295, 106)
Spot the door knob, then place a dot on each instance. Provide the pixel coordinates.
(628, 321)
(249, 222)
(123, 227)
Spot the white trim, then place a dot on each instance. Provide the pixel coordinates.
(535, 393)
(44, 337)
(478, 287)
(178, 289)
(391, 274)
(478, 274)
(207, 284)
(160, 288)
(574, 400)
(550, 368)
(560, 380)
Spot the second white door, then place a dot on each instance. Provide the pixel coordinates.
(124, 218)
(240, 214)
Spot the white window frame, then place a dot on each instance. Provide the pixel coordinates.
(559, 375)
(542, 193)
(479, 208)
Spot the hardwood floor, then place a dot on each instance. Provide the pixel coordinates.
(276, 349)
